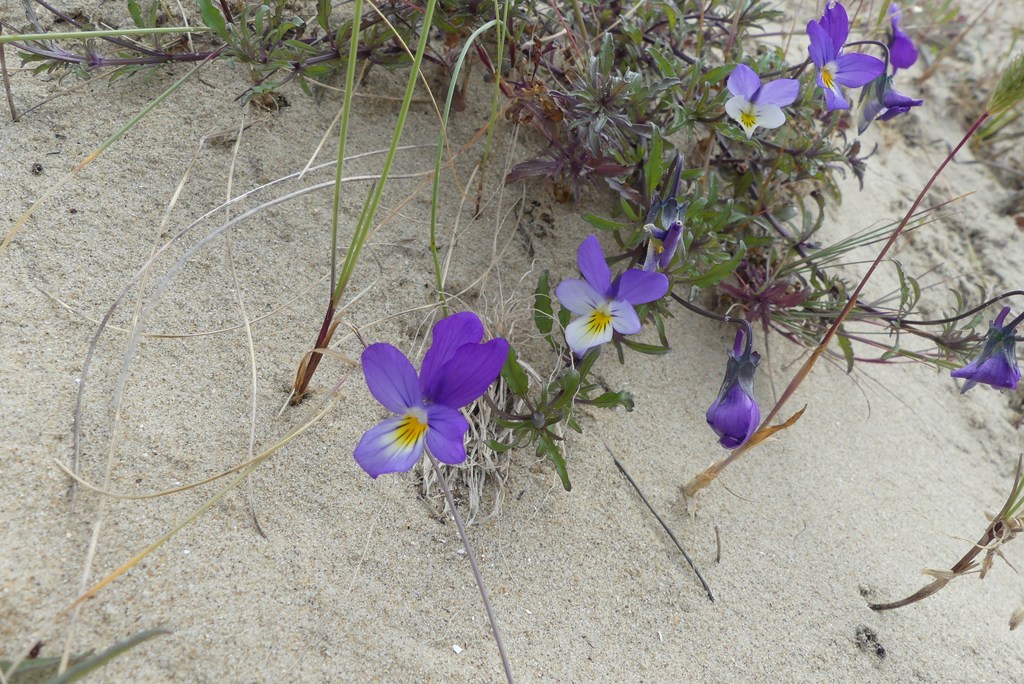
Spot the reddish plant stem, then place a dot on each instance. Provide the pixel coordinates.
(708, 476)
(322, 339)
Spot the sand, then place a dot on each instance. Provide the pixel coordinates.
(889, 471)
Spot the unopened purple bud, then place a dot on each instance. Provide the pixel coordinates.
(734, 415)
(996, 365)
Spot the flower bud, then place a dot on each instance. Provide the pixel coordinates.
(734, 415)
(996, 365)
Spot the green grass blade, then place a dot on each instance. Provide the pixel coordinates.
(73, 674)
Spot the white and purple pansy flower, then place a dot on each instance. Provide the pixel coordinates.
(835, 68)
(753, 104)
(457, 370)
(604, 306)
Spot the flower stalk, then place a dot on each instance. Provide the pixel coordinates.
(711, 473)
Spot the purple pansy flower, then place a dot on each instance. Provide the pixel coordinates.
(996, 365)
(603, 305)
(835, 68)
(457, 369)
(734, 415)
(663, 242)
(902, 52)
(883, 102)
(753, 104)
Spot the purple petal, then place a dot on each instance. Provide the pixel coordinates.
(449, 334)
(834, 100)
(1003, 313)
(836, 24)
(996, 371)
(855, 69)
(821, 49)
(469, 373)
(578, 296)
(902, 52)
(744, 82)
(734, 417)
(670, 244)
(639, 287)
(780, 92)
(624, 318)
(381, 450)
(593, 266)
(446, 436)
(391, 378)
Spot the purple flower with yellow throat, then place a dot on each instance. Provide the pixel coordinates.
(996, 365)
(604, 306)
(457, 370)
(734, 415)
(836, 68)
(753, 104)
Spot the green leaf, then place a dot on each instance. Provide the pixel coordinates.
(587, 362)
(666, 67)
(514, 375)
(546, 447)
(718, 74)
(847, 347)
(497, 446)
(570, 383)
(213, 19)
(564, 316)
(323, 13)
(721, 270)
(604, 224)
(656, 350)
(136, 13)
(612, 399)
(542, 314)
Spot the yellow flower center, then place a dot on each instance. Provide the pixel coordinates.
(827, 77)
(599, 321)
(409, 431)
(748, 119)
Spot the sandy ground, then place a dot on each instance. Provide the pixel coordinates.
(888, 472)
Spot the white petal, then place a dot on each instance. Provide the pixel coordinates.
(624, 318)
(769, 116)
(736, 106)
(582, 334)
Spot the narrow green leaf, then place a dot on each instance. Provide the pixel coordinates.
(549, 449)
(645, 348)
(542, 314)
(83, 668)
(514, 375)
(612, 399)
(603, 223)
(721, 270)
(136, 13)
(213, 19)
(323, 13)
(847, 347)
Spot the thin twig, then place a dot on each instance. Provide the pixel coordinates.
(476, 570)
(671, 534)
(7, 81)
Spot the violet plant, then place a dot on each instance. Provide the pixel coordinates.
(716, 157)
